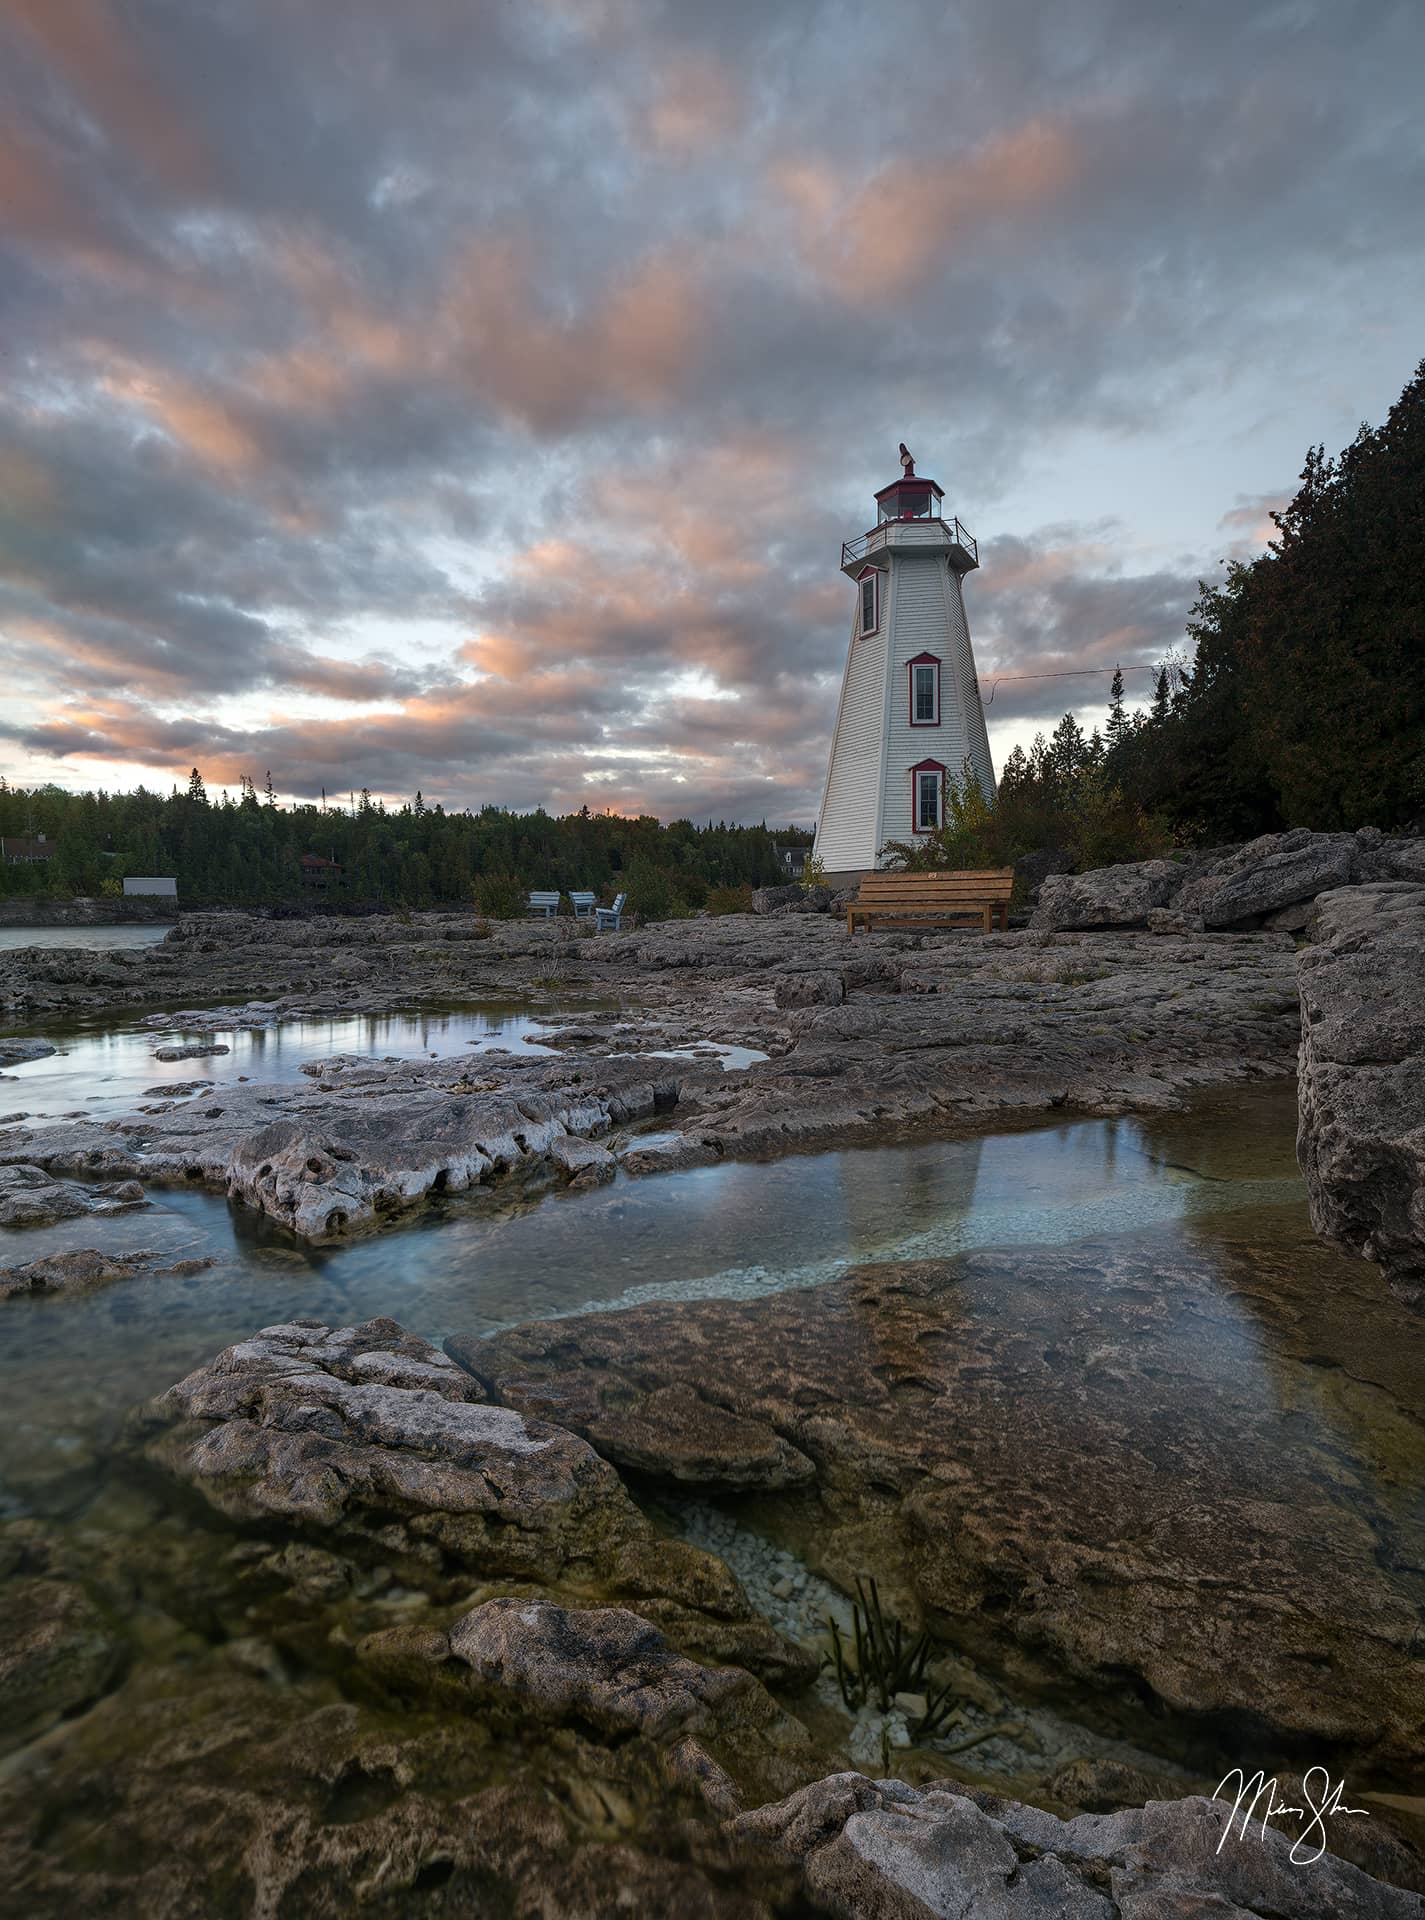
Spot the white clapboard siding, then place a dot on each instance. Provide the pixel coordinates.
(846, 832)
(868, 798)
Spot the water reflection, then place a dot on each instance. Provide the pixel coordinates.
(69, 1368)
(101, 1070)
(146, 935)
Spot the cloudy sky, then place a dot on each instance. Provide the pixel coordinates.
(474, 396)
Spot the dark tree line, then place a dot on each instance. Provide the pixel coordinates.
(1303, 706)
(248, 850)
(1306, 701)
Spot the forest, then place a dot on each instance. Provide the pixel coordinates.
(248, 851)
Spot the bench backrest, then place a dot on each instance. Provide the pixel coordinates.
(544, 899)
(582, 899)
(617, 906)
(944, 890)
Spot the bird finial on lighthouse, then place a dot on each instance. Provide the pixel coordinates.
(907, 460)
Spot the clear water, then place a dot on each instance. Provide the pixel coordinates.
(101, 1069)
(71, 1367)
(145, 935)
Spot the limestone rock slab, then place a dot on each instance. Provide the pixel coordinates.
(1361, 1077)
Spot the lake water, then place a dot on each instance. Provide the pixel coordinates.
(146, 934)
(70, 1368)
(101, 1069)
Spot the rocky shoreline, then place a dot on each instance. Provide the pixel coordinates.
(928, 1032)
(351, 1624)
(359, 1634)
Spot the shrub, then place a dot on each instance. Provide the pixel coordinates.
(814, 872)
(500, 896)
(730, 899)
(481, 930)
(652, 893)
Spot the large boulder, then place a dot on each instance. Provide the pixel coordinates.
(1107, 897)
(881, 1850)
(768, 899)
(1361, 1079)
(1276, 871)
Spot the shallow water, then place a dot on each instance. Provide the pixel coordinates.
(70, 1368)
(147, 934)
(102, 1069)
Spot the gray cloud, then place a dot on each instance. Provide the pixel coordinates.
(573, 337)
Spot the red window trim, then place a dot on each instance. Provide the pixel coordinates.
(920, 767)
(873, 573)
(922, 660)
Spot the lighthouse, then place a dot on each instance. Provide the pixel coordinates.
(910, 713)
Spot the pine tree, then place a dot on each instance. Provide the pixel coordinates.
(196, 790)
(1161, 702)
(1117, 728)
(271, 791)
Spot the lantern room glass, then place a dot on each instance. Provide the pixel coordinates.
(912, 500)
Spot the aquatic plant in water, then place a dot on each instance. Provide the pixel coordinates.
(885, 1661)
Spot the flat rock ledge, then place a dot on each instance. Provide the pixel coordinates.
(1361, 1078)
(881, 1850)
(1062, 1461)
(370, 1442)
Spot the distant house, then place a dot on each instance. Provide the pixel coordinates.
(27, 849)
(317, 871)
(794, 860)
(149, 884)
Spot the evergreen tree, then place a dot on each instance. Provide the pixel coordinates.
(1116, 730)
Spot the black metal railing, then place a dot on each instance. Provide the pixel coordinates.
(858, 548)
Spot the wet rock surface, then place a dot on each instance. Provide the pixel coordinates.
(1361, 1078)
(891, 1032)
(1180, 1549)
(85, 1270)
(32, 1197)
(13, 1051)
(882, 1849)
(371, 1443)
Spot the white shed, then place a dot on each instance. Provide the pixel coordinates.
(165, 889)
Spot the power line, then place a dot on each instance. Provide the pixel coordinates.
(1070, 673)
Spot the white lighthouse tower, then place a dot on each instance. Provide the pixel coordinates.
(910, 713)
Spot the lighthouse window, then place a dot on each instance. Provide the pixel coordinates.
(868, 603)
(927, 802)
(925, 693)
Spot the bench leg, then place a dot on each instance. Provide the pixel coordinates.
(851, 920)
(987, 919)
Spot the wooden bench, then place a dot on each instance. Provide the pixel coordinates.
(933, 899)
(583, 905)
(610, 919)
(546, 905)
